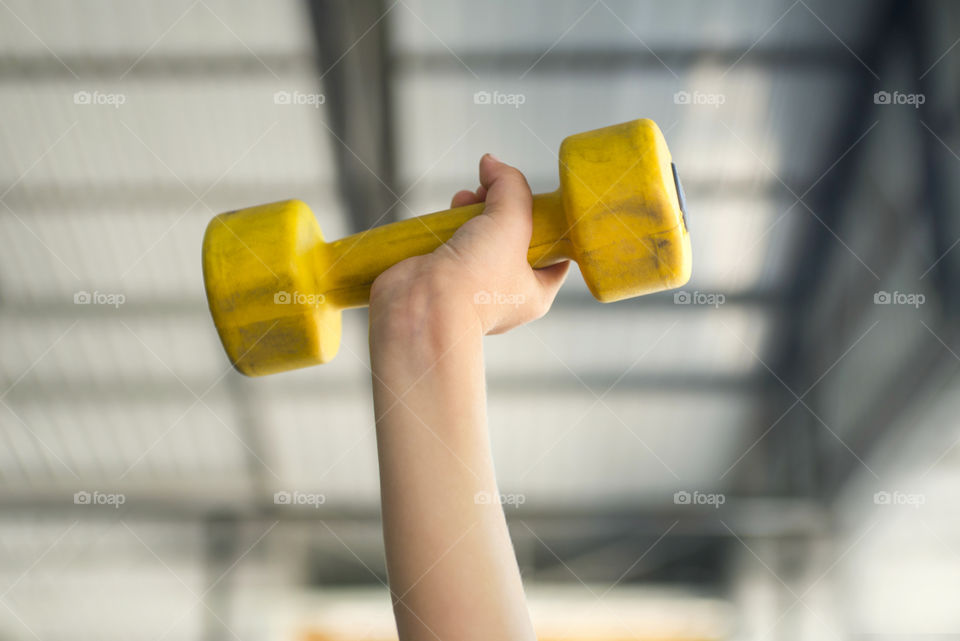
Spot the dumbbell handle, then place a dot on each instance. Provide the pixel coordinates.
(349, 266)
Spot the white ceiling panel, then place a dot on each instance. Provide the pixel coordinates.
(89, 445)
(621, 449)
(620, 339)
(135, 28)
(434, 25)
(193, 131)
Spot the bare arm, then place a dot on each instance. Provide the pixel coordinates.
(452, 571)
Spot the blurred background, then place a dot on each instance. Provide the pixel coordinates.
(769, 453)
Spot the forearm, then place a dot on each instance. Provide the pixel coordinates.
(451, 565)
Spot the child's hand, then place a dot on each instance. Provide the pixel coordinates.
(452, 570)
(483, 269)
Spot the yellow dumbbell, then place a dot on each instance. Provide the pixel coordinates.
(276, 289)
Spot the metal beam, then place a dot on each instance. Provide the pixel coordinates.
(608, 544)
(353, 53)
(221, 548)
(252, 431)
(938, 118)
(829, 198)
(134, 391)
(767, 516)
(43, 198)
(789, 456)
(36, 68)
(684, 558)
(929, 366)
(828, 59)
(64, 309)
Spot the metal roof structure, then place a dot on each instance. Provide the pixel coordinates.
(128, 124)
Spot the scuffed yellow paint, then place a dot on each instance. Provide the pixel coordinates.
(276, 289)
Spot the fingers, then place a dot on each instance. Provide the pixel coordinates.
(508, 198)
(464, 197)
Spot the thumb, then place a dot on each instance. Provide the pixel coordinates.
(508, 198)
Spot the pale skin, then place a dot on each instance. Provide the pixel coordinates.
(452, 570)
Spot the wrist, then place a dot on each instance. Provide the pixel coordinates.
(421, 314)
